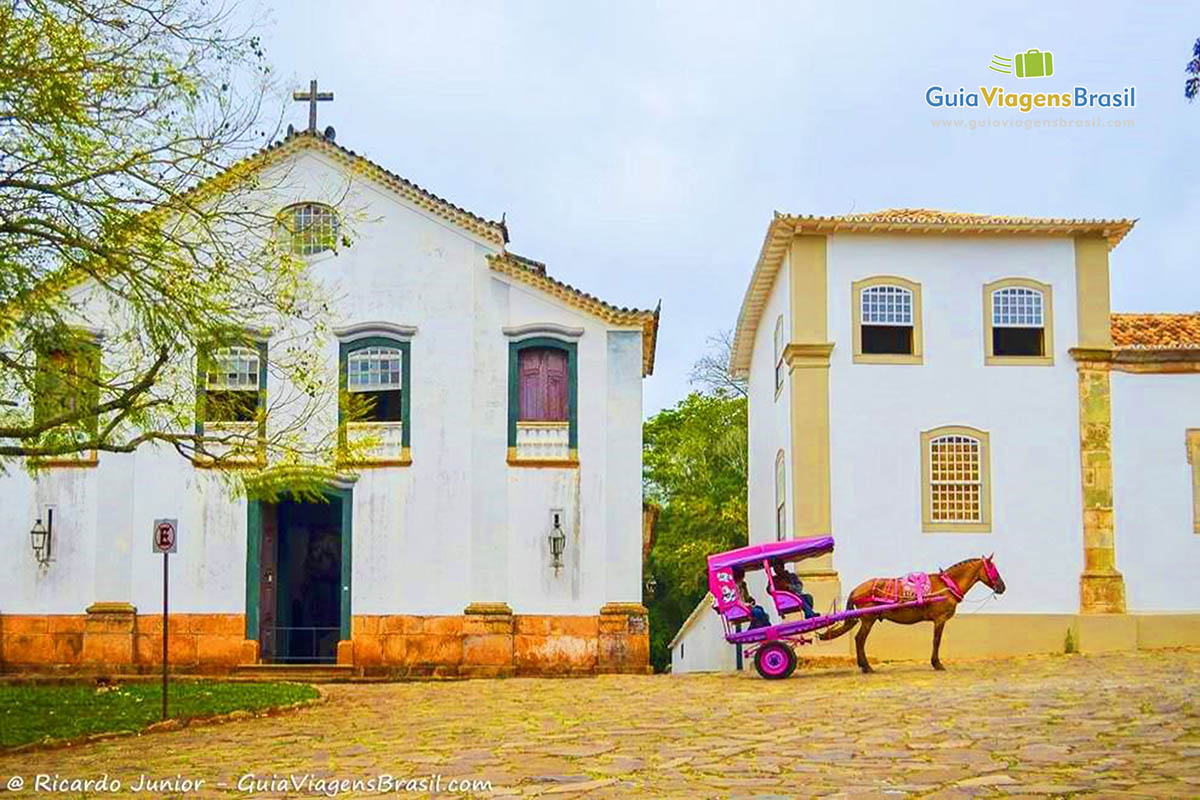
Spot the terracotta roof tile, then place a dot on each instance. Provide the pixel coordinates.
(1156, 331)
(919, 221)
(534, 274)
(932, 220)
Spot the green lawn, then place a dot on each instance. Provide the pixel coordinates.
(30, 713)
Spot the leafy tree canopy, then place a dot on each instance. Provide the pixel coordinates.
(695, 463)
(111, 113)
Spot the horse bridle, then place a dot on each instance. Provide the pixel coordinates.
(989, 571)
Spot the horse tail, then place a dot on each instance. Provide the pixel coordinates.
(838, 630)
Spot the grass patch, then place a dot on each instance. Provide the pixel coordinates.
(31, 713)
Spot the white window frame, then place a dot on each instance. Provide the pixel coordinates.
(375, 356)
(780, 496)
(861, 292)
(779, 348)
(304, 225)
(221, 365)
(993, 293)
(1026, 304)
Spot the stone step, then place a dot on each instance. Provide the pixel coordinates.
(305, 673)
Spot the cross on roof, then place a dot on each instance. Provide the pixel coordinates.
(312, 97)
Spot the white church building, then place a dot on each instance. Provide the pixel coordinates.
(929, 386)
(496, 529)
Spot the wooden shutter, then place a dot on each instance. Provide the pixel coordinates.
(556, 385)
(542, 373)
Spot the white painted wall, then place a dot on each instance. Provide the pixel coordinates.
(701, 647)
(877, 413)
(770, 418)
(457, 526)
(1157, 549)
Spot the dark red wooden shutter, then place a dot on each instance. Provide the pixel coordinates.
(542, 373)
(556, 385)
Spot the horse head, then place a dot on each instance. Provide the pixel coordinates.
(991, 576)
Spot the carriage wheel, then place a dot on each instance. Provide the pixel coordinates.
(775, 660)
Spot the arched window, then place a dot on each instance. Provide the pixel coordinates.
(375, 374)
(955, 480)
(232, 384)
(887, 321)
(780, 497)
(779, 348)
(308, 228)
(375, 412)
(1017, 322)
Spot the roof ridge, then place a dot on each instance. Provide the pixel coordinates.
(490, 229)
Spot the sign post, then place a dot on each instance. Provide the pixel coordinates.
(166, 532)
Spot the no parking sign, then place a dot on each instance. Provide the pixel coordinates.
(166, 535)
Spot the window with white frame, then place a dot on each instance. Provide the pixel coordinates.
(955, 479)
(1018, 319)
(232, 384)
(375, 376)
(779, 348)
(887, 320)
(780, 497)
(309, 228)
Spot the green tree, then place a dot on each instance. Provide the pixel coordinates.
(695, 463)
(112, 113)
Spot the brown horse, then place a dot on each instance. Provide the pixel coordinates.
(947, 587)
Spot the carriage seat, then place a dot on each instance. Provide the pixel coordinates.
(785, 601)
(737, 613)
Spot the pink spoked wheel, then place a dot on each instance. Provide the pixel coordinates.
(775, 660)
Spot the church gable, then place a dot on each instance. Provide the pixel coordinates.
(296, 143)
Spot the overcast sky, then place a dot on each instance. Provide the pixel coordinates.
(639, 149)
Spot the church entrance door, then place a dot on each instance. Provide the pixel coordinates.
(299, 562)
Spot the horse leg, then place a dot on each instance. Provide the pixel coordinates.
(937, 643)
(860, 642)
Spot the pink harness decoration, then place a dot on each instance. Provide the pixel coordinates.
(951, 586)
(914, 587)
(917, 583)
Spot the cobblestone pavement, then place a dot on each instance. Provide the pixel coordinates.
(1110, 726)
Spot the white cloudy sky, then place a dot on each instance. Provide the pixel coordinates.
(639, 148)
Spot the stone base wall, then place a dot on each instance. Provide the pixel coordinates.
(114, 638)
(488, 640)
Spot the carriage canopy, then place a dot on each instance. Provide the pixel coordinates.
(721, 581)
(752, 557)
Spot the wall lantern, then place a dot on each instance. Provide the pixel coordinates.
(41, 537)
(651, 585)
(558, 541)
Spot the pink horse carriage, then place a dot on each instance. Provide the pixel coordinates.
(773, 646)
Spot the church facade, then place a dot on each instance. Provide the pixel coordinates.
(930, 386)
(495, 529)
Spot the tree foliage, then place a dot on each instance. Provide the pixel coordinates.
(113, 112)
(1191, 86)
(711, 371)
(695, 463)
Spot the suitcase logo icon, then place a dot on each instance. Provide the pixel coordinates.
(1032, 63)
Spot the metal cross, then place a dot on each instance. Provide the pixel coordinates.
(312, 97)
